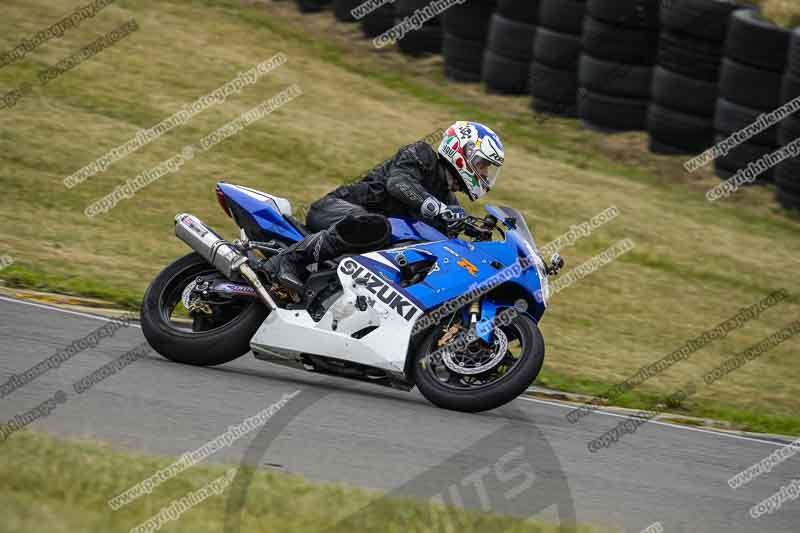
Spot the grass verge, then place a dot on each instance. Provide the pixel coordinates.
(785, 13)
(53, 486)
(736, 418)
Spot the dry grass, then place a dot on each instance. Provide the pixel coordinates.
(65, 487)
(783, 12)
(694, 265)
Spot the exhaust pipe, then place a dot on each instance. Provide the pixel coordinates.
(208, 244)
(218, 252)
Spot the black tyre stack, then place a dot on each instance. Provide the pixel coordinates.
(509, 50)
(378, 21)
(787, 174)
(342, 9)
(466, 29)
(425, 40)
(620, 43)
(749, 85)
(556, 51)
(684, 91)
(312, 6)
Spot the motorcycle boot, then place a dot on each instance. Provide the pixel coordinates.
(354, 233)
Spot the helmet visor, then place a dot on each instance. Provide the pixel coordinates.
(486, 170)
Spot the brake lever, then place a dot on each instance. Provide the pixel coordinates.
(455, 229)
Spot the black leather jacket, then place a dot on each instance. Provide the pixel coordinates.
(399, 186)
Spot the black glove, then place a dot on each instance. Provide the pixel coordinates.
(453, 217)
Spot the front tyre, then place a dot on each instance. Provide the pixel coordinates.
(501, 377)
(197, 339)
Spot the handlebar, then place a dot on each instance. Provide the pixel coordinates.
(480, 229)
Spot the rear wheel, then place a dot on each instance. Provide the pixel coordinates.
(211, 333)
(481, 376)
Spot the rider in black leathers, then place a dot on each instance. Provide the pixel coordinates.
(417, 182)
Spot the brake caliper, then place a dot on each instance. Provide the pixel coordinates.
(192, 302)
(448, 334)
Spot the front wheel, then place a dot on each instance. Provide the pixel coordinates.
(219, 334)
(480, 377)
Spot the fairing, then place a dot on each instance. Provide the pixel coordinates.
(460, 266)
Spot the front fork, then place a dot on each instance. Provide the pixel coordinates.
(483, 316)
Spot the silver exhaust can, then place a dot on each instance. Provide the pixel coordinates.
(205, 241)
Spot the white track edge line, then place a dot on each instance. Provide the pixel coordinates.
(677, 426)
(59, 309)
(535, 400)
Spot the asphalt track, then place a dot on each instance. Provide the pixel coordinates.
(524, 459)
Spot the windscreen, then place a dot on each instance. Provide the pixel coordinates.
(519, 227)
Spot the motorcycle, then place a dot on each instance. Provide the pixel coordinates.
(456, 318)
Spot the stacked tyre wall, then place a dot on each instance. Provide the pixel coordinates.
(466, 30)
(509, 50)
(556, 52)
(378, 21)
(312, 6)
(684, 91)
(749, 86)
(342, 9)
(693, 73)
(620, 43)
(787, 174)
(425, 40)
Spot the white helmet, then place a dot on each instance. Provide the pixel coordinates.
(475, 153)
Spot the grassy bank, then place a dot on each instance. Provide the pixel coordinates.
(65, 486)
(695, 264)
(783, 12)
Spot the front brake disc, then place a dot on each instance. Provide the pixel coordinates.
(497, 353)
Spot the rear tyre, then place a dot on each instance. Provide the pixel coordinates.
(213, 340)
(450, 391)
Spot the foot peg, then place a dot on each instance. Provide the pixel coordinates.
(289, 281)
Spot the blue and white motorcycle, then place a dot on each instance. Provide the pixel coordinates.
(457, 318)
